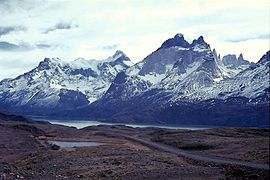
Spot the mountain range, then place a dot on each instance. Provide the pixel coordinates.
(179, 83)
(56, 85)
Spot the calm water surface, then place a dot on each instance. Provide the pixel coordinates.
(70, 144)
(81, 124)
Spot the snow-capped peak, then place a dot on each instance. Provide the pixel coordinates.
(47, 63)
(118, 53)
(54, 82)
(50, 60)
(119, 58)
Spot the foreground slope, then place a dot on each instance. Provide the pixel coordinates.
(226, 153)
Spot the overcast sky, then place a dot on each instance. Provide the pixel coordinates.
(94, 29)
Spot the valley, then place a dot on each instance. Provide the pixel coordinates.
(126, 152)
(134, 90)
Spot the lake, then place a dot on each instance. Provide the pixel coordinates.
(70, 144)
(82, 124)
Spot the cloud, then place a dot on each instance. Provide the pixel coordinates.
(9, 7)
(15, 63)
(105, 26)
(9, 29)
(5, 30)
(110, 47)
(6, 46)
(60, 26)
(11, 68)
(43, 46)
(262, 36)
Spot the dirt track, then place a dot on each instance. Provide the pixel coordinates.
(207, 159)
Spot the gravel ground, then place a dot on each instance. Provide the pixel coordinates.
(26, 154)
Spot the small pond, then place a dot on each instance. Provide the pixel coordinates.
(70, 144)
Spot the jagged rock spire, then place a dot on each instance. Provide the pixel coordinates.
(177, 40)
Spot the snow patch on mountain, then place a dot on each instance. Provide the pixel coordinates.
(179, 71)
(84, 80)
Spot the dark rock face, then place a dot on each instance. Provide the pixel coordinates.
(199, 41)
(180, 66)
(157, 61)
(210, 66)
(265, 59)
(175, 51)
(120, 78)
(232, 61)
(178, 40)
(242, 61)
(85, 72)
(70, 99)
